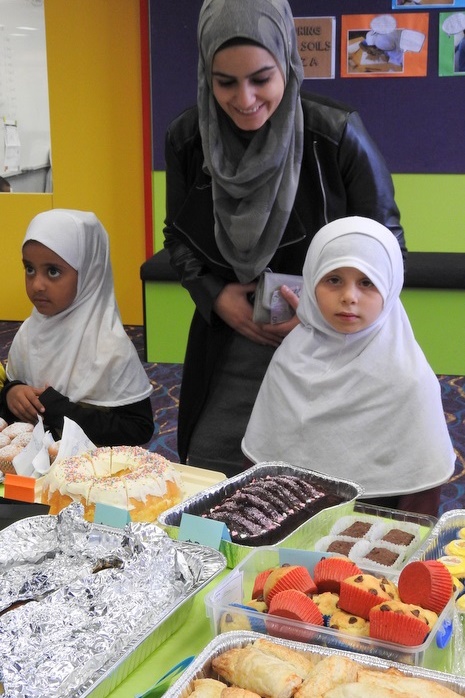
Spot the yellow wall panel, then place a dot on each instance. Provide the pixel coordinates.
(94, 70)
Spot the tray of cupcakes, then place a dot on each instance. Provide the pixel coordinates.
(328, 600)
(271, 503)
(257, 667)
(446, 543)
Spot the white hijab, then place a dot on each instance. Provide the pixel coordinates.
(82, 352)
(364, 406)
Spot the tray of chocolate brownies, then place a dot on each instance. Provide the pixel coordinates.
(271, 503)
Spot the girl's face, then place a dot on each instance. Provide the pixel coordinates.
(348, 300)
(51, 283)
(247, 84)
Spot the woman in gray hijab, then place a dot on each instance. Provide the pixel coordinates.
(253, 171)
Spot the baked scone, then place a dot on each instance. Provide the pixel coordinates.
(252, 669)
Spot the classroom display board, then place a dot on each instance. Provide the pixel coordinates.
(395, 61)
(24, 106)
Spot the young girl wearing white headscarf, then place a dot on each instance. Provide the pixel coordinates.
(252, 172)
(77, 362)
(362, 405)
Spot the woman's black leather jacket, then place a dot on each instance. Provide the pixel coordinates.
(343, 174)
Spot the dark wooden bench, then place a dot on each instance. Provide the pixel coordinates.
(433, 296)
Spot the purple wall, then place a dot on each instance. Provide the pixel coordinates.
(418, 123)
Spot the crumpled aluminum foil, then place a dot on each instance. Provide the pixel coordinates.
(86, 592)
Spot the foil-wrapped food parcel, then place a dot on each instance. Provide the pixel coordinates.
(76, 598)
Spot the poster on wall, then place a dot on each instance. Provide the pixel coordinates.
(452, 44)
(413, 4)
(316, 43)
(384, 45)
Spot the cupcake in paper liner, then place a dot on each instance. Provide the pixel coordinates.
(327, 603)
(456, 547)
(426, 583)
(360, 593)
(293, 605)
(242, 619)
(379, 555)
(455, 564)
(358, 527)
(394, 622)
(329, 572)
(340, 545)
(259, 583)
(288, 577)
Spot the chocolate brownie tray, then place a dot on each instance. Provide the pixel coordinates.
(82, 605)
(201, 667)
(271, 503)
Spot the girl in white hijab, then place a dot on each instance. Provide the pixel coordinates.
(349, 392)
(72, 356)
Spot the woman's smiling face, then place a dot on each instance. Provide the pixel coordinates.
(247, 84)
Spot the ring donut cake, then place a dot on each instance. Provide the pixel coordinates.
(128, 477)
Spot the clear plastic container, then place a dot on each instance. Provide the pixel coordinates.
(236, 588)
(421, 525)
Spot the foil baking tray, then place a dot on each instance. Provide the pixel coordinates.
(303, 536)
(146, 551)
(201, 666)
(442, 533)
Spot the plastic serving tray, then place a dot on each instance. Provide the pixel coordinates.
(201, 667)
(304, 536)
(442, 533)
(432, 548)
(236, 588)
(366, 511)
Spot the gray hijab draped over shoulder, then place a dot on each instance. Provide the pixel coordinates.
(253, 183)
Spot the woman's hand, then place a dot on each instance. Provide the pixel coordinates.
(233, 306)
(23, 401)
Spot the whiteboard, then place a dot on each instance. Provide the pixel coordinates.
(24, 83)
